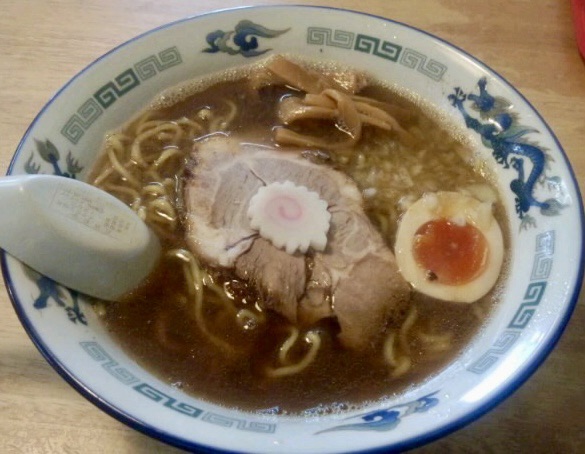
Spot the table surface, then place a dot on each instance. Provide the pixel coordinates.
(531, 43)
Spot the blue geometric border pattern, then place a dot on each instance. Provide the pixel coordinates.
(99, 354)
(158, 396)
(427, 66)
(375, 46)
(489, 358)
(106, 95)
(154, 64)
(541, 269)
(410, 58)
(545, 249)
(242, 424)
(527, 309)
(79, 122)
(114, 89)
(326, 37)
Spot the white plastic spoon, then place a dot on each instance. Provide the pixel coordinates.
(76, 234)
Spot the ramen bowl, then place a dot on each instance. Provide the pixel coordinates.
(539, 192)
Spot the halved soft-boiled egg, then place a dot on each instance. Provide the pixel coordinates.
(450, 246)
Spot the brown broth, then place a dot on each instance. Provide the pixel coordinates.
(338, 379)
(158, 327)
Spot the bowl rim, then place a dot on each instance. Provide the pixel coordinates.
(409, 443)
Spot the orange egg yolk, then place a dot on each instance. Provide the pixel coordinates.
(451, 254)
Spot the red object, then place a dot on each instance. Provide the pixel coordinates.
(579, 19)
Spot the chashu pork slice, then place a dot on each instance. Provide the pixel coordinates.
(355, 279)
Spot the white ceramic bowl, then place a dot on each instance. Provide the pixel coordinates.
(543, 203)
